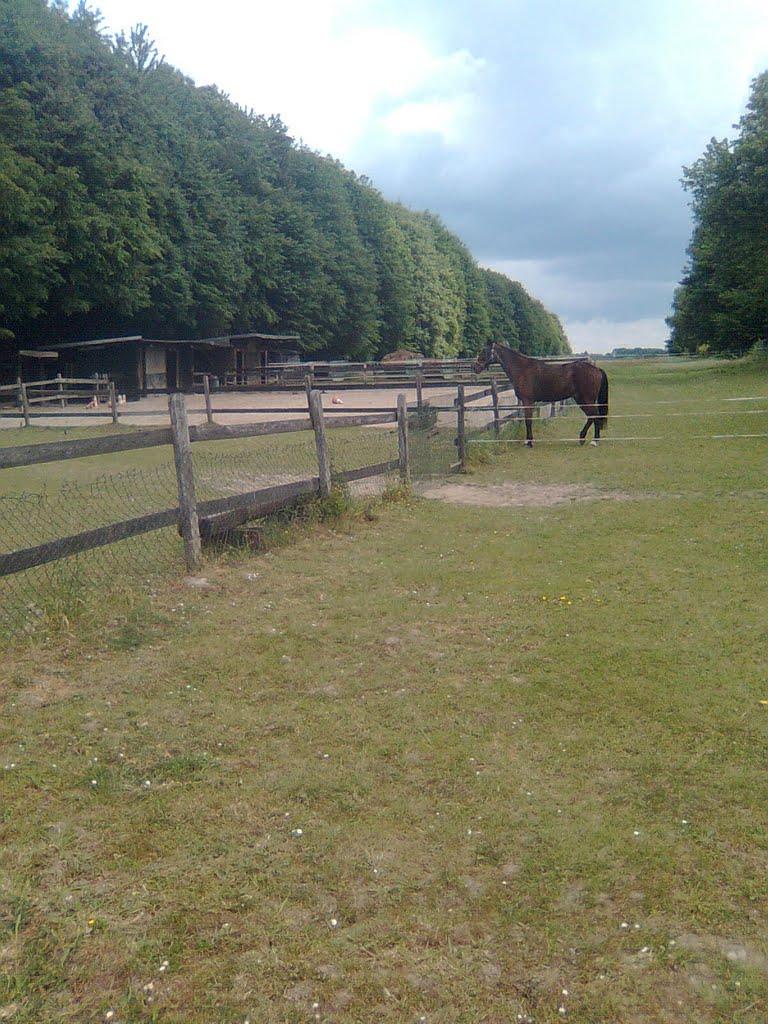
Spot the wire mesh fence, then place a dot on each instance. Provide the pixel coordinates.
(32, 601)
(77, 497)
(436, 447)
(73, 500)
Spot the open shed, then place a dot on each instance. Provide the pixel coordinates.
(250, 355)
(140, 366)
(137, 365)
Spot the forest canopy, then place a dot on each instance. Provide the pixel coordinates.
(134, 202)
(721, 305)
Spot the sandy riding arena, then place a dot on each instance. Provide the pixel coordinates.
(153, 410)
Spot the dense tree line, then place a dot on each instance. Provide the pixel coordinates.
(132, 201)
(722, 302)
(640, 352)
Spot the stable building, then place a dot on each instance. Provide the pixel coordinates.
(140, 366)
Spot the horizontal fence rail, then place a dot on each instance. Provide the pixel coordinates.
(56, 382)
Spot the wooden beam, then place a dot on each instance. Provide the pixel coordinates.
(55, 451)
(402, 439)
(461, 436)
(41, 554)
(185, 480)
(321, 444)
(222, 432)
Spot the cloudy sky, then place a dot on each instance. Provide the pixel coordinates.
(549, 135)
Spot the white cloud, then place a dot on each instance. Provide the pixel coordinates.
(601, 335)
(552, 283)
(444, 117)
(330, 76)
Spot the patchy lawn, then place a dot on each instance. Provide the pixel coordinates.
(452, 763)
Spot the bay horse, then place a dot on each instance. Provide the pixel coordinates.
(539, 380)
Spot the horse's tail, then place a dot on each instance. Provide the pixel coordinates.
(602, 401)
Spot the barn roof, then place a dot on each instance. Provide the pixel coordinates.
(221, 341)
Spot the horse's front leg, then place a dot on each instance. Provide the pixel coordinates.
(591, 422)
(528, 428)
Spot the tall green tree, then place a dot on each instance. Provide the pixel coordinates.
(383, 236)
(722, 302)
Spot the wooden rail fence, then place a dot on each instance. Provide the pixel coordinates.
(198, 520)
(190, 516)
(61, 390)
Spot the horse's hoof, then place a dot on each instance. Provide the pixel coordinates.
(529, 444)
(593, 444)
(582, 440)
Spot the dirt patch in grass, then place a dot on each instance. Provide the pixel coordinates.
(43, 690)
(520, 495)
(733, 951)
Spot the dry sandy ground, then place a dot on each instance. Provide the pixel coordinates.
(153, 411)
(517, 495)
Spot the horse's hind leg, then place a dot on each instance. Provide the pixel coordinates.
(592, 421)
(528, 428)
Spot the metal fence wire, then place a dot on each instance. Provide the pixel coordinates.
(33, 600)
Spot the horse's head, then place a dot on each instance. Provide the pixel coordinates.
(486, 357)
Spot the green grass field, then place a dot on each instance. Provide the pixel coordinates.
(440, 763)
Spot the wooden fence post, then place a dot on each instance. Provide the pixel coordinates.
(60, 389)
(113, 403)
(461, 437)
(24, 403)
(182, 454)
(207, 390)
(318, 425)
(419, 386)
(402, 439)
(495, 399)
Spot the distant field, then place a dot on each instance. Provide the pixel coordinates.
(441, 762)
